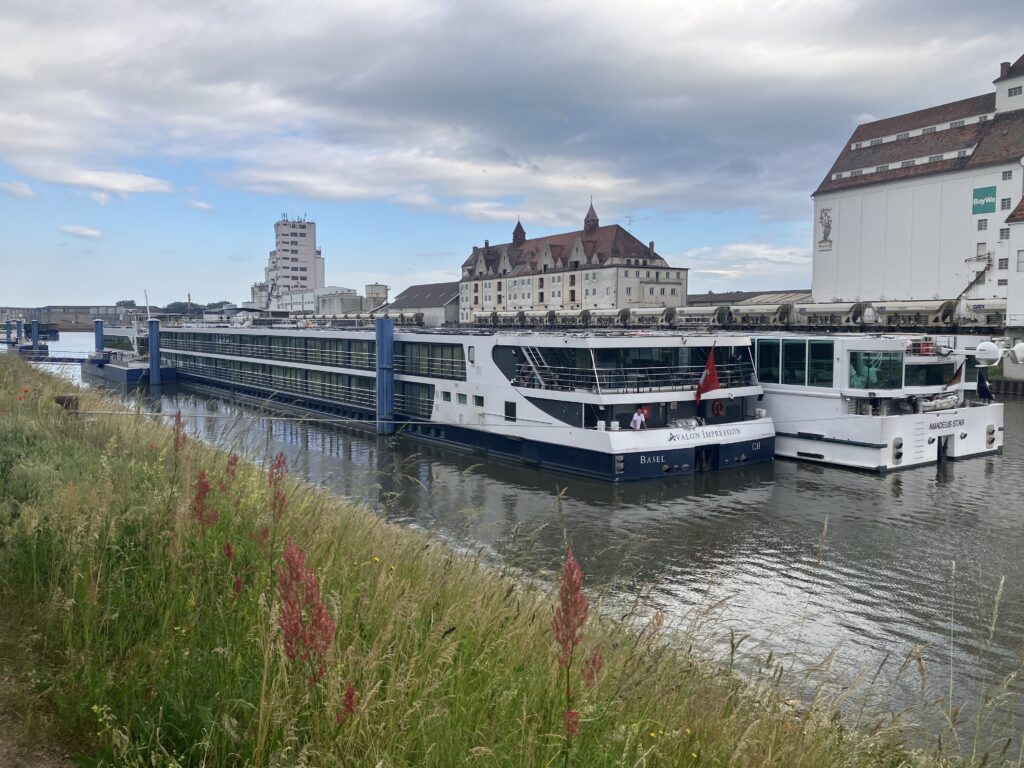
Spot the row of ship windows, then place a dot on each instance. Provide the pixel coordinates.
(478, 402)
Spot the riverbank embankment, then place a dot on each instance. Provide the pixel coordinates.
(191, 608)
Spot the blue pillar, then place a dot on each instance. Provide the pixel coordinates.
(154, 353)
(35, 334)
(21, 330)
(97, 329)
(385, 376)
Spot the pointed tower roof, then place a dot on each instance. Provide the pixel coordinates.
(591, 221)
(518, 235)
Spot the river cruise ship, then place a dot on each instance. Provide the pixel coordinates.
(873, 402)
(564, 401)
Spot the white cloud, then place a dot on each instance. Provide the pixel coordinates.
(199, 204)
(18, 189)
(118, 182)
(746, 267)
(101, 198)
(79, 231)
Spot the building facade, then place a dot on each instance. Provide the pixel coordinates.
(436, 303)
(295, 264)
(928, 206)
(597, 267)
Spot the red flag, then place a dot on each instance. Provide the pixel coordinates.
(709, 379)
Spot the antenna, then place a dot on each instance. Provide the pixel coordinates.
(629, 222)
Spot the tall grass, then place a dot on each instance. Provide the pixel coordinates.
(202, 611)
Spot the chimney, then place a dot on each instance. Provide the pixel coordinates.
(1004, 69)
(650, 249)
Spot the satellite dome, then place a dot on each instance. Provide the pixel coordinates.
(987, 353)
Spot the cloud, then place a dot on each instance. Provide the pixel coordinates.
(101, 198)
(79, 231)
(199, 204)
(118, 182)
(18, 189)
(746, 266)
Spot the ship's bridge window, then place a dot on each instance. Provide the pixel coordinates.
(768, 361)
(876, 370)
(934, 375)
(819, 363)
(794, 361)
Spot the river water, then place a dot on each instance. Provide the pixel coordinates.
(834, 572)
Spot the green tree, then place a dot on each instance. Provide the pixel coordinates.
(125, 303)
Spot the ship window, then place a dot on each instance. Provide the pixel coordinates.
(472, 354)
(461, 398)
(768, 361)
(446, 397)
(794, 361)
(478, 401)
(819, 368)
(930, 375)
(876, 370)
(510, 411)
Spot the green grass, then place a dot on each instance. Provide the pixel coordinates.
(156, 659)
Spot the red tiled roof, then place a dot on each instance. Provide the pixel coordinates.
(997, 141)
(923, 118)
(600, 244)
(1017, 215)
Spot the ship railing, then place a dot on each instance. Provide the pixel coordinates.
(620, 380)
(412, 405)
(434, 367)
(322, 390)
(330, 358)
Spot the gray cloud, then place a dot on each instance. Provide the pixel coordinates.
(487, 112)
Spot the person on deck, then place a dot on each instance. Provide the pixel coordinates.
(639, 421)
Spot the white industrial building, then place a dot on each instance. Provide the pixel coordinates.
(927, 207)
(593, 268)
(295, 264)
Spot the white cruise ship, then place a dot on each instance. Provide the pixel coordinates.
(874, 402)
(563, 401)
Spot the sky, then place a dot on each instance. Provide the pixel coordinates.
(151, 146)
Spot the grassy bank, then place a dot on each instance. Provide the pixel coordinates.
(197, 611)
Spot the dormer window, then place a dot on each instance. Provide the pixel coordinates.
(957, 124)
(1016, 90)
(904, 135)
(926, 131)
(876, 142)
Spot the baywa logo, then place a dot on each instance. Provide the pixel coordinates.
(987, 199)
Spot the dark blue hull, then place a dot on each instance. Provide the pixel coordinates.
(673, 462)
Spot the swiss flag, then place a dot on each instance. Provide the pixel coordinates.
(709, 379)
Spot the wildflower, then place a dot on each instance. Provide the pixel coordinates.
(572, 722)
(376, 559)
(275, 477)
(307, 627)
(592, 667)
(206, 517)
(153, 446)
(229, 551)
(261, 538)
(237, 587)
(348, 707)
(179, 432)
(232, 470)
(572, 609)
(21, 397)
(24, 391)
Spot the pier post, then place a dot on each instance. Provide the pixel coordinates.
(35, 335)
(97, 329)
(385, 376)
(21, 330)
(154, 353)
(7, 330)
